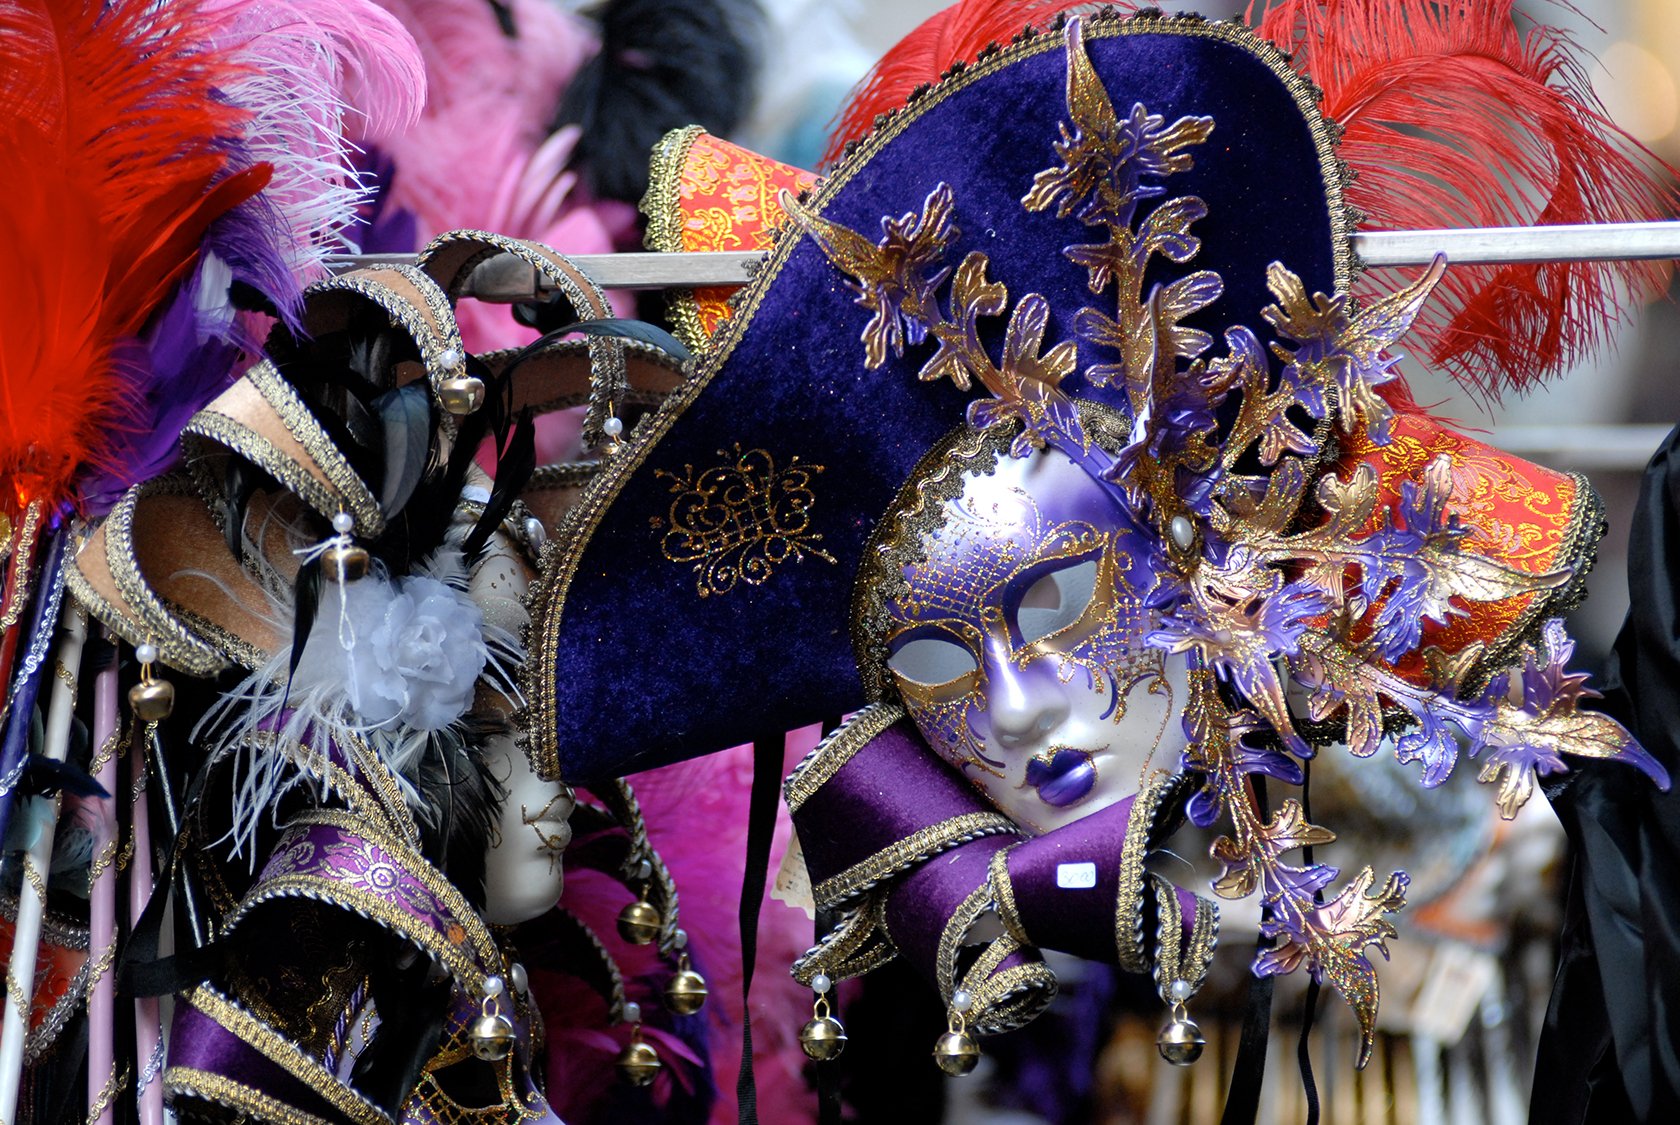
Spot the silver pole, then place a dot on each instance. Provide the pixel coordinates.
(507, 279)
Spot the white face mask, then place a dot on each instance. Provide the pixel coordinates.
(1020, 655)
(522, 870)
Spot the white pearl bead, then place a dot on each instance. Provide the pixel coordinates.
(343, 522)
(535, 533)
(632, 1012)
(516, 972)
(493, 986)
(146, 653)
(612, 427)
(644, 870)
(1183, 532)
(1180, 990)
(821, 984)
(449, 358)
(680, 938)
(961, 1001)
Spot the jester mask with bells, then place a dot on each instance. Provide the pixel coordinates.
(1047, 436)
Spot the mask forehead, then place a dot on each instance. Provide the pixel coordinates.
(1026, 508)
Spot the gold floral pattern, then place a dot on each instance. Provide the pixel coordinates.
(740, 521)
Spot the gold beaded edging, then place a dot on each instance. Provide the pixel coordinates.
(190, 1082)
(662, 208)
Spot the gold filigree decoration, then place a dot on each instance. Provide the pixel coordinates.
(740, 521)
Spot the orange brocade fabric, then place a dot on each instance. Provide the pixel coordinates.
(728, 199)
(1521, 514)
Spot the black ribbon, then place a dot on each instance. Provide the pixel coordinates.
(761, 827)
(1248, 1074)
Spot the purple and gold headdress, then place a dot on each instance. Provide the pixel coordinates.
(1065, 230)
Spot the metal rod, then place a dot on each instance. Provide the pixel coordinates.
(507, 279)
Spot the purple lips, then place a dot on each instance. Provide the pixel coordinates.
(1065, 779)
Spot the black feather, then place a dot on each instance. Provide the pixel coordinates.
(239, 482)
(306, 592)
(622, 328)
(425, 519)
(514, 466)
(405, 414)
(663, 64)
(43, 776)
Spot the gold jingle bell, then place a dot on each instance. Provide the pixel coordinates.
(639, 923)
(152, 700)
(344, 562)
(957, 1053)
(1181, 1041)
(823, 1038)
(492, 1037)
(685, 992)
(638, 1062)
(461, 394)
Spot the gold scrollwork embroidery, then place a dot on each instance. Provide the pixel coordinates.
(741, 520)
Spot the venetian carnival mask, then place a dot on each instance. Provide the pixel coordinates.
(1020, 655)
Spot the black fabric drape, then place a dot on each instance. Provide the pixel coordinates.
(1608, 1049)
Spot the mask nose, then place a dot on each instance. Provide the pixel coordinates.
(1025, 705)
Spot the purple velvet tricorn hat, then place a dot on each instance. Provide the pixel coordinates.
(702, 594)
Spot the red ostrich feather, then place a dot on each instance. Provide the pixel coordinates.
(1465, 114)
(109, 126)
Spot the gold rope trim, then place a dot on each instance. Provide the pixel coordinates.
(285, 1054)
(223, 1091)
(908, 852)
(114, 1085)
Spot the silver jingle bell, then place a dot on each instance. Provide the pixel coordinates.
(1181, 1041)
(461, 394)
(823, 1038)
(492, 1037)
(957, 1053)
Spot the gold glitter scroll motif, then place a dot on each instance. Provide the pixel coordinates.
(740, 521)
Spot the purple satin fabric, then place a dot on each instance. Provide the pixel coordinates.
(199, 1042)
(1078, 921)
(889, 790)
(922, 901)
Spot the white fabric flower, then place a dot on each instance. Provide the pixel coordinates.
(416, 650)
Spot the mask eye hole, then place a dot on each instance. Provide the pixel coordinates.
(932, 660)
(1055, 600)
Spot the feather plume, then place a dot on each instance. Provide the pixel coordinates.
(491, 96)
(663, 64)
(109, 130)
(957, 34)
(306, 69)
(1468, 115)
